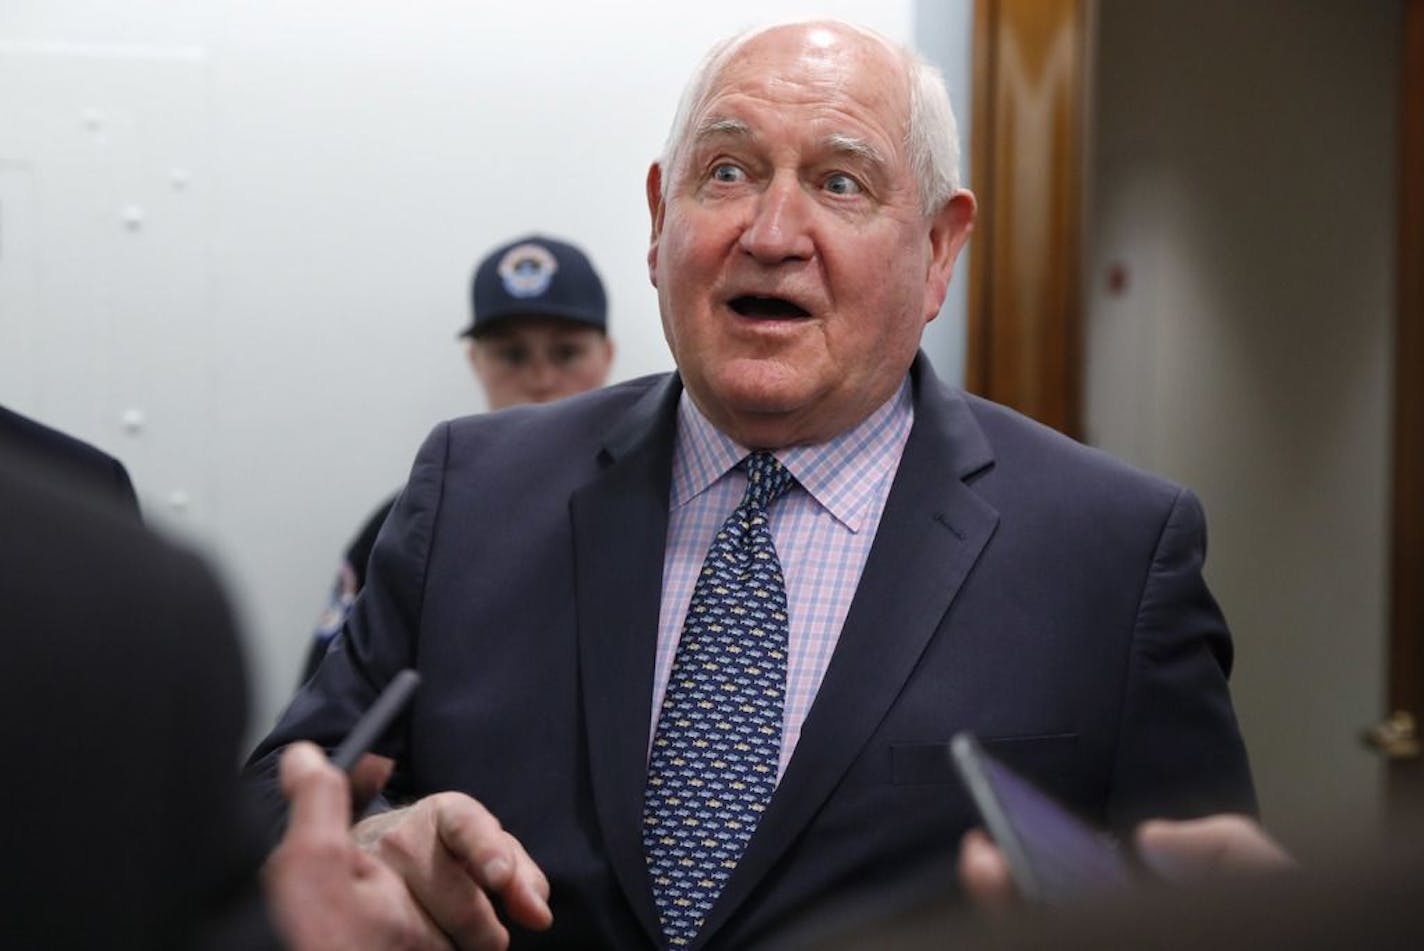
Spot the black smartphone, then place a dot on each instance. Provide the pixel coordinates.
(1054, 856)
(376, 721)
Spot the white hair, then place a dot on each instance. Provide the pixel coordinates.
(931, 134)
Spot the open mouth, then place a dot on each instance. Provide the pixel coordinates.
(766, 308)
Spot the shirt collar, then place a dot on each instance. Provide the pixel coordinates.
(841, 475)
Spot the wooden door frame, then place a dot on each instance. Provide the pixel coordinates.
(1023, 346)
(1406, 638)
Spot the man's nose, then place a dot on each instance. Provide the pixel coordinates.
(541, 376)
(779, 229)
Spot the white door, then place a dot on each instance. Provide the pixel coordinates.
(1238, 339)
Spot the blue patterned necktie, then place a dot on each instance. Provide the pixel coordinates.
(718, 739)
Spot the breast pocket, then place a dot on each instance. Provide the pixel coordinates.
(1046, 758)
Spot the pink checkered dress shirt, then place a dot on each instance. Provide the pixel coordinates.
(823, 527)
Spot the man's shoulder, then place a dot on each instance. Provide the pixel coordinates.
(549, 445)
(77, 554)
(34, 443)
(1027, 452)
(51, 445)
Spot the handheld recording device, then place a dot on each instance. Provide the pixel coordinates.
(1054, 856)
(376, 721)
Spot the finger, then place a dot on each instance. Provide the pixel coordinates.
(317, 791)
(457, 905)
(984, 872)
(496, 860)
(443, 878)
(378, 884)
(1183, 850)
(527, 897)
(368, 777)
(475, 839)
(1177, 851)
(461, 909)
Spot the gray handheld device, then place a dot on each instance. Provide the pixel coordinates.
(1054, 856)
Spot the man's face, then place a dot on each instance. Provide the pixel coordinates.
(795, 267)
(539, 359)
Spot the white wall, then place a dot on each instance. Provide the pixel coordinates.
(245, 227)
(944, 35)
(1245, 181)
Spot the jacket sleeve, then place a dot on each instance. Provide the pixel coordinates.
(378, 639)
(1179, 752)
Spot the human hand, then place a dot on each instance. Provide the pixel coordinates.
(1180, 851)
(1192, 849)
(984, 872)
(456, 859)
(323, 892)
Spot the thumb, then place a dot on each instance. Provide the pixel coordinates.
(984, 872)
(316, 791)
(368, 777)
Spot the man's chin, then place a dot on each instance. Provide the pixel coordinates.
(763, 394)
(765, 384)
(762, 416)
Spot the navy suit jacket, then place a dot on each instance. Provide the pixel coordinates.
(75, 465)
(122, 709)
(1020, 585)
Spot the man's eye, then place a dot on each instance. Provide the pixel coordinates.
(842, 184)
(727, 172)
(512, 356)
(568, 353)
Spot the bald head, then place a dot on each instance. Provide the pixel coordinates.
(797, 248)
(931, 138)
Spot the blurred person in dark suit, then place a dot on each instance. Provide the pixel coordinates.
(122, 707)
(69, 460)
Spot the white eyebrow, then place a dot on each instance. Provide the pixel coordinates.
(850, 145)
(715, 127)
(836, 142)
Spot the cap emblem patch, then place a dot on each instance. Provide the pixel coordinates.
(527, 269)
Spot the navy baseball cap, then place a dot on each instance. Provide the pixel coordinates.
(536, 276)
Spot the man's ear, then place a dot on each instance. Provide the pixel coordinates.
(656, 211)
(949, 230)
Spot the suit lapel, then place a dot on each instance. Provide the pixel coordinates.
(930, 535)
(620, 531)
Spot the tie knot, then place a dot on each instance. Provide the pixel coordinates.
(767, 479)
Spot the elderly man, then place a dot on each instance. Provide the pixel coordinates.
(694, 646)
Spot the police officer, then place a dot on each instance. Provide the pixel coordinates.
(539, 333)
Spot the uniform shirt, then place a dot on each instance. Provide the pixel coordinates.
(350, 579)
(823, 528)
